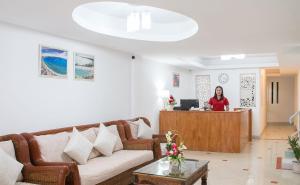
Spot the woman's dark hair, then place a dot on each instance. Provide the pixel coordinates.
(222, 95)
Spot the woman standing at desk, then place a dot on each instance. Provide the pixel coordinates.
(218, 101)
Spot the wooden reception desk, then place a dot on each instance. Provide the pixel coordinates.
(208, 130)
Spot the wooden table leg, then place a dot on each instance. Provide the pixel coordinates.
(204, 180)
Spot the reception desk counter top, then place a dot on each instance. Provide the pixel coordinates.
(223, 131)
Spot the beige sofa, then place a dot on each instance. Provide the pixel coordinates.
(31, 175)
(46, 148)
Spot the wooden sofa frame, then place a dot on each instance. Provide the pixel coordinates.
(129, 143)
(44, 175)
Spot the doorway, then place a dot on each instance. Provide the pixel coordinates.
(280, 106)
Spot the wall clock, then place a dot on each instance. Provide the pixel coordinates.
(223, 78)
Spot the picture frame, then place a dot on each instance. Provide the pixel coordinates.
(176, 79)
(83, 66)
(53, 62)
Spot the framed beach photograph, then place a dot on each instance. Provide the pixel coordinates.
(176, 79)
(83, 66)
(53, 62)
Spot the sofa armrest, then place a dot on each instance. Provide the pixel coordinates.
(73, 177)
(138, 144)
(50, 175)
(36, 158)
(161, 137)
(144, 144)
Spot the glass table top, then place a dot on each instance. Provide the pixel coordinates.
(161, 168)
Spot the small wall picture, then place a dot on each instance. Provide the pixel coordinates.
(83, 66)
(53, 62)
(176, 79)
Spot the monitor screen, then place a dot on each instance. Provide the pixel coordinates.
(186, 104)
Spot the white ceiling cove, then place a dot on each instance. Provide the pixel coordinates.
(110, 18)
(225, 27)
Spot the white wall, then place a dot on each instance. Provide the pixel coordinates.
(232, 91)
(285, 108)
(31, 103)
(297, 91)
(263, 100)
(296, 81)
(149, 78)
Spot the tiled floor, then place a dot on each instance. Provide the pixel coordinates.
(278, 131)
(254, 166)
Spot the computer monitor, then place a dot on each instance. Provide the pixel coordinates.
(186, 104)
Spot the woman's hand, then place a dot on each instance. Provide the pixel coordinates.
(227, 107)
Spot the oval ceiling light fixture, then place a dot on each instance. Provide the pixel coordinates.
(137, 22)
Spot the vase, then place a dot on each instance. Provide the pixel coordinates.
(171, 107)
(174, 167)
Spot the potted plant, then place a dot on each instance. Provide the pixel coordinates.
(174, 153)
(172, 102)
(294, 143)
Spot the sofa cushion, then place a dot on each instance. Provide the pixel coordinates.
(114, 130)
(91, 135)
(79, 147)
(52, 147)
(144, 131)
(10, 169)
(105, 141)
(134, 128)
(103, 168)
(163, 147)
(8, 147)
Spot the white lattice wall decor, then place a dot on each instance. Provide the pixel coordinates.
(202, 88)
(248, 90)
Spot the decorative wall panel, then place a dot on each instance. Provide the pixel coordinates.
(202, 89)
(248, 90)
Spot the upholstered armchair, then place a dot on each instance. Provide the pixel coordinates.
(43, 175)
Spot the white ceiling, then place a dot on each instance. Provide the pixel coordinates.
(225, 27)
(97, 17)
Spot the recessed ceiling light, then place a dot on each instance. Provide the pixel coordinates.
(134, 21)
(229, 57)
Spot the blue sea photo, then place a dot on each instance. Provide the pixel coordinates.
(54, 62)
(84, 66)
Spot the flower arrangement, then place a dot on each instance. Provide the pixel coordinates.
(294, 143)
(174, 152)
(172, 100)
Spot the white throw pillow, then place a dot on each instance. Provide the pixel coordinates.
(9, 148)
(106, 141)
(78, 148)
(134, 128)
(145, 132)
(114, 130)
(52, 146)
(91, 135)
(10, 169)
(163, 148)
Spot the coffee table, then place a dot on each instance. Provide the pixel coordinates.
(157, 173)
